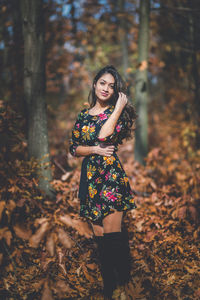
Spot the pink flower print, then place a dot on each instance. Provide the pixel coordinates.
(78, 125)
(107, 176)
(98, 206)
(118, 128)
(103, 116)
(110, 196)
(113, 198)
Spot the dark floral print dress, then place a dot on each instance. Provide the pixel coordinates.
(104, 186)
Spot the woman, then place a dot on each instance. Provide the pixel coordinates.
(104, 190)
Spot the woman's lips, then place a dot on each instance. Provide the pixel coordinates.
(104, 94)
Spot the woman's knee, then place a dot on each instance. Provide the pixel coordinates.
(97, 230)
(112, 223)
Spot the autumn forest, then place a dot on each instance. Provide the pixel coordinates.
(50, 51)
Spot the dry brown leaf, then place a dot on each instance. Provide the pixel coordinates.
(36, 238)
(191, 269)
(10, 205)
(40, 221)
(87, 274)
(139, 225)
(92, 266)
(50, 243)
(60, 255)
(181, 212)
(62, 288)
(149, 236)
(6, 234)
(66, 176)
(22, 232)
(193, 213)
(82, 227)
(37, 285)
(63, 269)
(45, 261)
(2, 206)
(65, 239)
(67, 220)
(1, 258)
(47, 294)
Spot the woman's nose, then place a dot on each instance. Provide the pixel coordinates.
(106, 87)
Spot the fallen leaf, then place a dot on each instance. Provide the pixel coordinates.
(50, 244)
(65, 239)
(46, 293)
(22, 232)
(36, 238)
(2, 206)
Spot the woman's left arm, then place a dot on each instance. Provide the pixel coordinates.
(110, 125)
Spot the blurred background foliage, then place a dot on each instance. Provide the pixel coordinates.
(82, 36)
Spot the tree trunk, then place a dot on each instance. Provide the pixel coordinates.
(141, 86)
(17, 59)
(34, 89)
(193, 19)
(123, 37)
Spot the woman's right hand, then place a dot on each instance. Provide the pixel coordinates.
(104, 150)
(121, 101)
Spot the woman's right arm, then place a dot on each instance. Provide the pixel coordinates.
(78, 150)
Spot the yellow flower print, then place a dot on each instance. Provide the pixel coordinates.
(118, 165)
(132, 200)
(91, 171)
(95, 212)
(76, 133)
(89, 175)
(92, 129)
(109, 160)
(85, 128)
(92, 192)
(114, 176)
(125, 179)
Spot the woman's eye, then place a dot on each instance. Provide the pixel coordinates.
(102, 83)
(112, 87)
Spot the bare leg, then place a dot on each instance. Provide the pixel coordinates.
(97, 230)
(112, 222)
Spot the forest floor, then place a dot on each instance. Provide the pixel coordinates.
(47, 251)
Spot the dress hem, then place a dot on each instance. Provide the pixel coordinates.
(104, 212)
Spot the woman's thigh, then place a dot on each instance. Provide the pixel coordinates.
(112, 222)
(97, 229)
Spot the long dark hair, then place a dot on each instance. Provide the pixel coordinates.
(129, 113)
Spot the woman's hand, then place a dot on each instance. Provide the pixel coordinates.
(121, 101)
(104, 150)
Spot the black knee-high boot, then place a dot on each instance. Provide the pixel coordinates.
(106, 265)
(119, 247)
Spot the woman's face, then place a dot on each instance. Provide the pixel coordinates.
(104, 88)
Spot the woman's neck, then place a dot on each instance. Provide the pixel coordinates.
(101, 105)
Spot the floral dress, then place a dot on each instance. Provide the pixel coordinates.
(104, 186)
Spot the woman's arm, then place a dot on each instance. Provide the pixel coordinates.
(109, 126)
(89, 150)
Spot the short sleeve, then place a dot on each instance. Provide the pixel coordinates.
(119, 128)
(74, 142)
